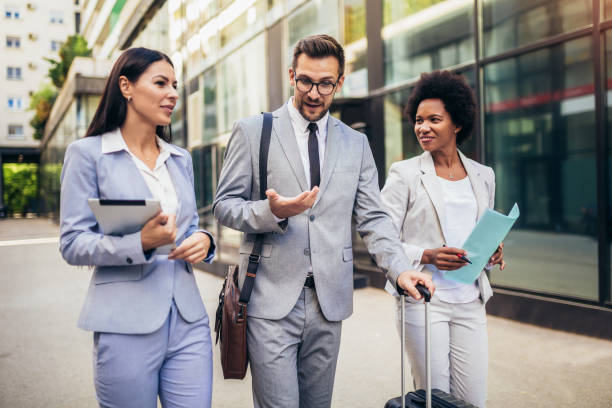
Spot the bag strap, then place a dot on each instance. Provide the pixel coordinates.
(264, 145)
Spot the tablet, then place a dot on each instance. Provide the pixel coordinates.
(121, 217)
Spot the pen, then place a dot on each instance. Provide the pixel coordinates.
(464, 258)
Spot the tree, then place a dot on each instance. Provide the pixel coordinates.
(41, 103)
(75, 46)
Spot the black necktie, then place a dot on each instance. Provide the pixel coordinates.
(313, 155)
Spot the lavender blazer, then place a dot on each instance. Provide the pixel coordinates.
(129, 292)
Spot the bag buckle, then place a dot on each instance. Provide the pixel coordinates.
(254, 258)
(240, 314)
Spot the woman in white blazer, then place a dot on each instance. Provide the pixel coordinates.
(435, 199)
(151, 331)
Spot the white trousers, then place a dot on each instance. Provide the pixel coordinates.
(459, 347)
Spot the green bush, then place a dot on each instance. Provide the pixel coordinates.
(20, 183)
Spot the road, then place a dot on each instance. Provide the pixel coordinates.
(45, 361)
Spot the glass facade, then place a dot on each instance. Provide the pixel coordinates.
(608, 48)
(421, 36)
(242, 92)
(534, 75)
(540, 140)
(512, 24)
(532, 65)
(355, 48)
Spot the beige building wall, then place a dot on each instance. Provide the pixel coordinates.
(29, 32)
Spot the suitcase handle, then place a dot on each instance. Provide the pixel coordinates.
(422, 290)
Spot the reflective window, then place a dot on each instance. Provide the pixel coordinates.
(13, 73)
(209, 130)
(607, 9)
(355, 48)
(511, 24)
(15, 132)
(178, 124)
(400, 141)
(13, 42)
(155, 35)
(540, 140)
(12, 12)
(240, 21)
(608, 40)
(57, 16)
(243, 91)
(421, 36)
(203, 175)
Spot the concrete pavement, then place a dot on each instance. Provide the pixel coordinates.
(45, 361)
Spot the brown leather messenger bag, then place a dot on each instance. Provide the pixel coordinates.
(231, 316)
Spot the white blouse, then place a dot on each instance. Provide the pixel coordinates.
(158, 180)
(461, 211)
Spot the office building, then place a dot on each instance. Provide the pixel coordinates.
(541, 70)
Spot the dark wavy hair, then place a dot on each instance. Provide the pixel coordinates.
(455, 94)
(112, 109)
(319, 46)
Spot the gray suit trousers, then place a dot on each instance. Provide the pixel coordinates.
(293, 360)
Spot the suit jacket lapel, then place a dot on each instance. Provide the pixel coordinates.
(128, 170)
(332, 150)
(286, 137)
(432, 186)
(478, 186)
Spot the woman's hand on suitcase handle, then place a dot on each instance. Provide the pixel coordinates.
(409, 279)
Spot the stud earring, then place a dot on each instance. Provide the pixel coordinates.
(129, 99)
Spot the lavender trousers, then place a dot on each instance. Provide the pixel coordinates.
(174, 363)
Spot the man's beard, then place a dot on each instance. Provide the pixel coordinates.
(305, 114)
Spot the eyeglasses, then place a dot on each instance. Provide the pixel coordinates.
(324, 88)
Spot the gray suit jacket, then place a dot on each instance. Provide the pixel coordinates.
(322, 235)
(414, 198)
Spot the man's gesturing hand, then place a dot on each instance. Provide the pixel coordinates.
(409, 279)
(285, 207)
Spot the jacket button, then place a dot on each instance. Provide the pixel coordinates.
(129, 260)
(312, 217)
(307, 251)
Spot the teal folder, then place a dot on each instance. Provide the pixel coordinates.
(482, 243)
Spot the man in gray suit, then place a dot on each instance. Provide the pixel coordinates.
(321, 173)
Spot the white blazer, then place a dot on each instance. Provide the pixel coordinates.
(414, 198)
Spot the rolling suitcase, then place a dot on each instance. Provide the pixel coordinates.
(427, 398)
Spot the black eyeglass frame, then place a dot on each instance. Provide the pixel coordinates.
(312, 83)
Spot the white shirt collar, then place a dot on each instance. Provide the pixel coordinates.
(113, 142)
(302, 122)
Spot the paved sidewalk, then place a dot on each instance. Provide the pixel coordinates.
(45, 361)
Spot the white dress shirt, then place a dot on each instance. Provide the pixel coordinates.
(158, 180)
(300, 128)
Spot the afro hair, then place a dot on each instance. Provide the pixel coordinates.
(455, 94)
